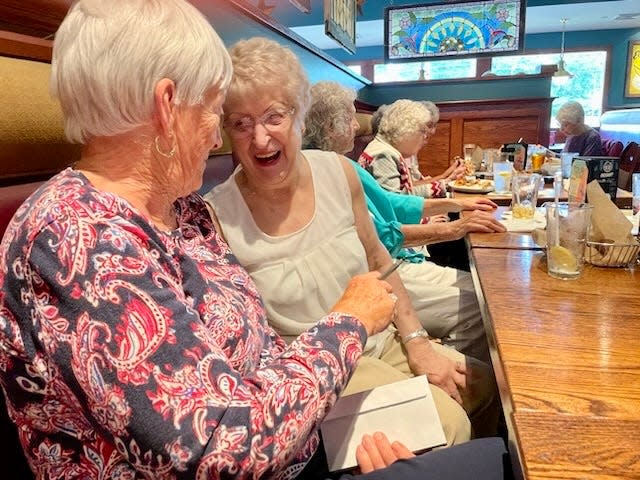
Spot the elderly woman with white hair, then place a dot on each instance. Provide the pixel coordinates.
(402, 132)
(454, 171)
(581, 138)
(132, 342)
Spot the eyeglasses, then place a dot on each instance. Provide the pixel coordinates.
(272, 120)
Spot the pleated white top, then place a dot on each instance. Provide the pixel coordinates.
(300, 275)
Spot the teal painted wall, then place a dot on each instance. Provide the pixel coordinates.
(616, 40)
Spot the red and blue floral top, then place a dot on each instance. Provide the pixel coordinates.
(127, 352)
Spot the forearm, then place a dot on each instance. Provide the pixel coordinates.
(426, 234)
(437, 206)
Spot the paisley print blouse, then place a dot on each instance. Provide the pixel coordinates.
(127, 352)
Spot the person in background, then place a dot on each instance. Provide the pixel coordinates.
(398, 167)
(453, 172)
(581, 138)
(132, 343)
(298, 222)
(444, 298)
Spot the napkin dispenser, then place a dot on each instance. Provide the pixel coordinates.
(516, 153)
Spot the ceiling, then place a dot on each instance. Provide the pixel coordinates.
(541, 16)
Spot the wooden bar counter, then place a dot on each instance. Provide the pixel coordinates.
(567, 360)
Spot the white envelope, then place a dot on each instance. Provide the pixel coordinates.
(403, 411)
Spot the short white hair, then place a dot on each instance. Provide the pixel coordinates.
(329, 117)
(402, 119)
(433, 109)
(571, 112)
(376, 117)
(109, 55)
(263, 65)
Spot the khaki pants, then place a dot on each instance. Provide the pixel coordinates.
(480, 397)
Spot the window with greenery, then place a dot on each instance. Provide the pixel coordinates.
(433, 70)
(586, 86)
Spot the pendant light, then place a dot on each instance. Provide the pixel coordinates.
(562, 72)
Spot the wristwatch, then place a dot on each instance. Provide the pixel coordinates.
(420, 333)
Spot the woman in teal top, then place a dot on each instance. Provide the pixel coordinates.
(443, 297)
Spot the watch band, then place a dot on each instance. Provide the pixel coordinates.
(420, 333)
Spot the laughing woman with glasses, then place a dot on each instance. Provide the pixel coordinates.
(298, 222)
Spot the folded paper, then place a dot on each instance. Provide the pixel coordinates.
(404, 411)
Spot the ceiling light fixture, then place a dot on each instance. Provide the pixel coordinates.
(562, 72)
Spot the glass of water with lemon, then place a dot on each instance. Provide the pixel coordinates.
(567, 231)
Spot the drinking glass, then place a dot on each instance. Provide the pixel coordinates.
(468, 151)
(565, 163)
(567, 230)
(502, 170)
(537, 159)
(524, 195)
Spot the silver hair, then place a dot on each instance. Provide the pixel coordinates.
(402, 119)
(571, 112)
(376, 117)
(328, 120)
(263, 65)
(433, 109)
(108, 57)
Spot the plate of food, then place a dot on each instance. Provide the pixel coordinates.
(472, 185)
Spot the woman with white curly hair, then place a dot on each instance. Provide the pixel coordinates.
(581, 138)
(402, 132)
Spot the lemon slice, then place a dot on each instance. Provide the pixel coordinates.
(562, 258)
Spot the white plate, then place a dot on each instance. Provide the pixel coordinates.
(472, 188)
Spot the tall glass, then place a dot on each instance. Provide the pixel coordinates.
(524, 195)
(567, 230)
(566, 159)
(502, 171)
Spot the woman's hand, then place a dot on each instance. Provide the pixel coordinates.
(476, 221)
(376, 452)
(476, 203)
(441, 371)
(369, 300)
(457, 170)
(440, 218)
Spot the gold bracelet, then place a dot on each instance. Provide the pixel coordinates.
(420, 333)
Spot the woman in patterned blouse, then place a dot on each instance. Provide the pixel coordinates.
(132, 343)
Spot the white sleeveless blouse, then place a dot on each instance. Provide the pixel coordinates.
(303, 274)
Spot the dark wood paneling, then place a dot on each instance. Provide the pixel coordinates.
(487, 123)
(38, 18)
(23, 46)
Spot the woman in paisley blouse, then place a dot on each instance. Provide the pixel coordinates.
(132, 343)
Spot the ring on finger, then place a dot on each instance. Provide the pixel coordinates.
(393, 297)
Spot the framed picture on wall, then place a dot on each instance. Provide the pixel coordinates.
(340, 22)
(632, 82)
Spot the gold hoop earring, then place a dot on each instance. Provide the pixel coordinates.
(169, 154)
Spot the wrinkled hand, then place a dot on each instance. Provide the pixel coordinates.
(376, 452)
(440, 218)
(367, 298)
(477, 221)
(441, 371)
(456, 170)
(477, 203)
